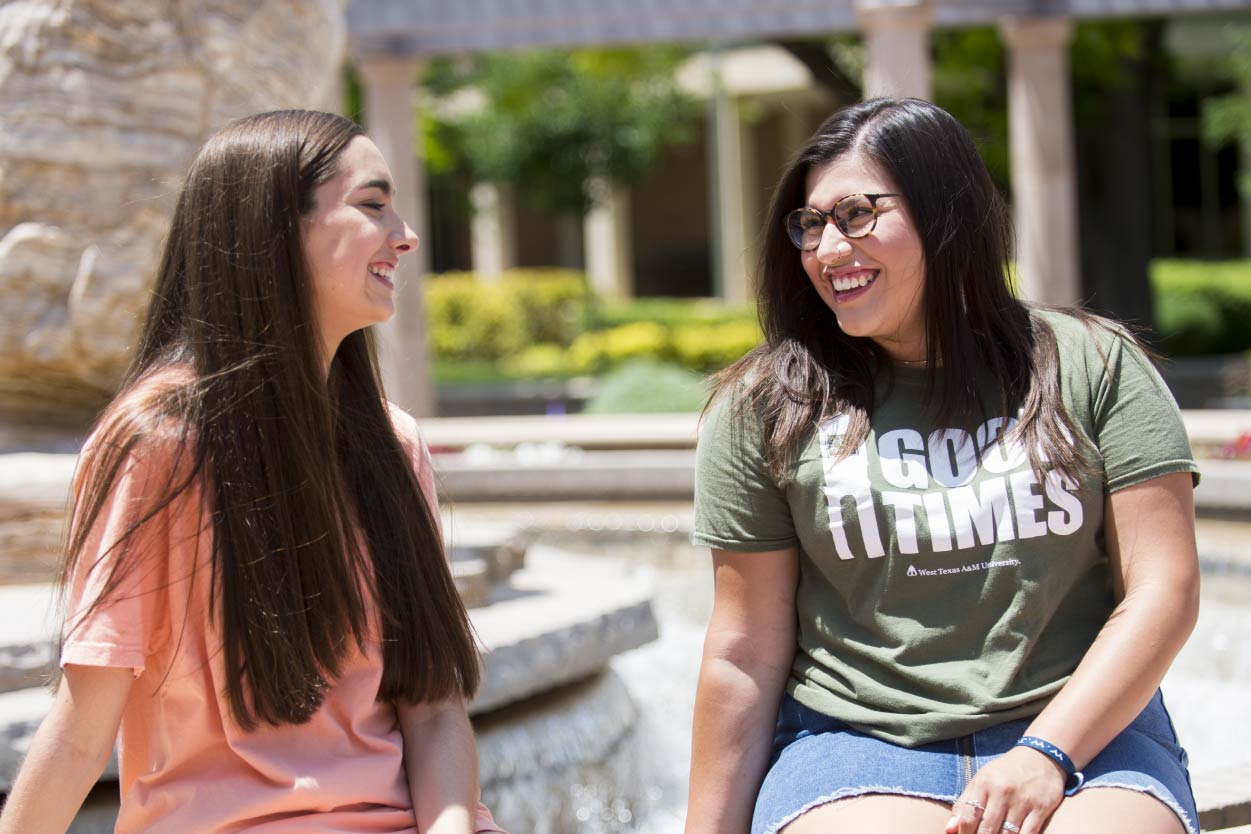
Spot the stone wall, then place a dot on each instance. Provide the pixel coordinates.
(102, 105)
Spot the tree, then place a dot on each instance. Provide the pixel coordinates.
(551, 122)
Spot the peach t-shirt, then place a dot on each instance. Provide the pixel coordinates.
(186, 766)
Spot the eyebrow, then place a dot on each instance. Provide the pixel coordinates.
(382, 185)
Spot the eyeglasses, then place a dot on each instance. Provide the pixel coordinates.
(855, 215)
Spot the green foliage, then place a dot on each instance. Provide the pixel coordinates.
(670, 312)
(470, 320)
(970, 68)
(710, 347)
(1202, 307)
(550, 121)
(1227, 118)
(537, 362)
(645, 386)
(543, 323)
(599, 350)
(969, 73)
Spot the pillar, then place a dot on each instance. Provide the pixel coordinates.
(1044, 184)
(492, 230)
(389, 86)
(607, 241)
(731, 255)
(897, 47)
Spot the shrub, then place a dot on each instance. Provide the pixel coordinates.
(714, 346)
(472, 320)
(671, 312)
(600, 350)
(646, 386)
(467, 323)
(1190, 294)
(1189, 324)
(537, 361)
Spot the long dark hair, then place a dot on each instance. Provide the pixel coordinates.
(808, 368)
(291, 465)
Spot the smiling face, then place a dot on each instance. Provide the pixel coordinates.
(874, 284)
(353, 239)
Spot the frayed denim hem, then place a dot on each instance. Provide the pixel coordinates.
(851, 793)
(1191, 826)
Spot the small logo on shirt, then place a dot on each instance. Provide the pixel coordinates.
(913, 570)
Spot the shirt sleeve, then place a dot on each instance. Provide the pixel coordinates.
(738, 505)
(419, 453)
(484, 823)
(1138, 426)
(109, 609)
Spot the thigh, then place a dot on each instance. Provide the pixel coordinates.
(879, 813)
(1111, 811)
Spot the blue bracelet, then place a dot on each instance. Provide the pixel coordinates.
(1074, 778)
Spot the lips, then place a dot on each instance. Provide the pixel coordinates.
(848, 283)
(383, 271)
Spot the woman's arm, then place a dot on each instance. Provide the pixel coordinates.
(70, 750)
(748, 653)
(442, 764)
(1155, 573)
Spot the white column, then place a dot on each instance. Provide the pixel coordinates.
(607, 241)
(897, 41)
(389, 87)
(731, 256)
(1044, 176)
(492, 230)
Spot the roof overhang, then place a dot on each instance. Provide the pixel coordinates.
(430, 27)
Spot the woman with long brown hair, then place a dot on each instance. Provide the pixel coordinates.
(257, 593)
(953, 533)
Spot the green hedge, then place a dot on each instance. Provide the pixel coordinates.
(1202, 307)
(545, 323)
(471, 320)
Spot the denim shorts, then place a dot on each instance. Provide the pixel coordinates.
(818, 759)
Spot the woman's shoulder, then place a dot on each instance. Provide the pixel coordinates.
(406, 430)
(144, 423)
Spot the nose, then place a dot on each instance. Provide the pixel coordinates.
(834, 245)
(403, 239)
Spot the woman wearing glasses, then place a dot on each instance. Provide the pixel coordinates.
(952, 533)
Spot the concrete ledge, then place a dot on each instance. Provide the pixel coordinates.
(1225, 486)
(561, 619)
(586, 431)
(1224, 798)
(601, 475)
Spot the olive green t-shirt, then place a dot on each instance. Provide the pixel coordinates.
(943, 587)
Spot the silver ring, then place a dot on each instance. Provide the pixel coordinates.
(979, 806)
(1009, 826)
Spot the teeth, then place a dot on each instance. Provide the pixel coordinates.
(382, 270)
(851, 282)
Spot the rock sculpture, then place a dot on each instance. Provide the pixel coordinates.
(102, 105)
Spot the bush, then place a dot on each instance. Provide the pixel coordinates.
(471, 320)
(600, 350)
(1189, 324)
(537, 362)
(467, 323)
(671, 312)
(713, 347)
(1191, 296)
(645, 386)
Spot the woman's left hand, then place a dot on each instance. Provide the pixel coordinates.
(1015, 794)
